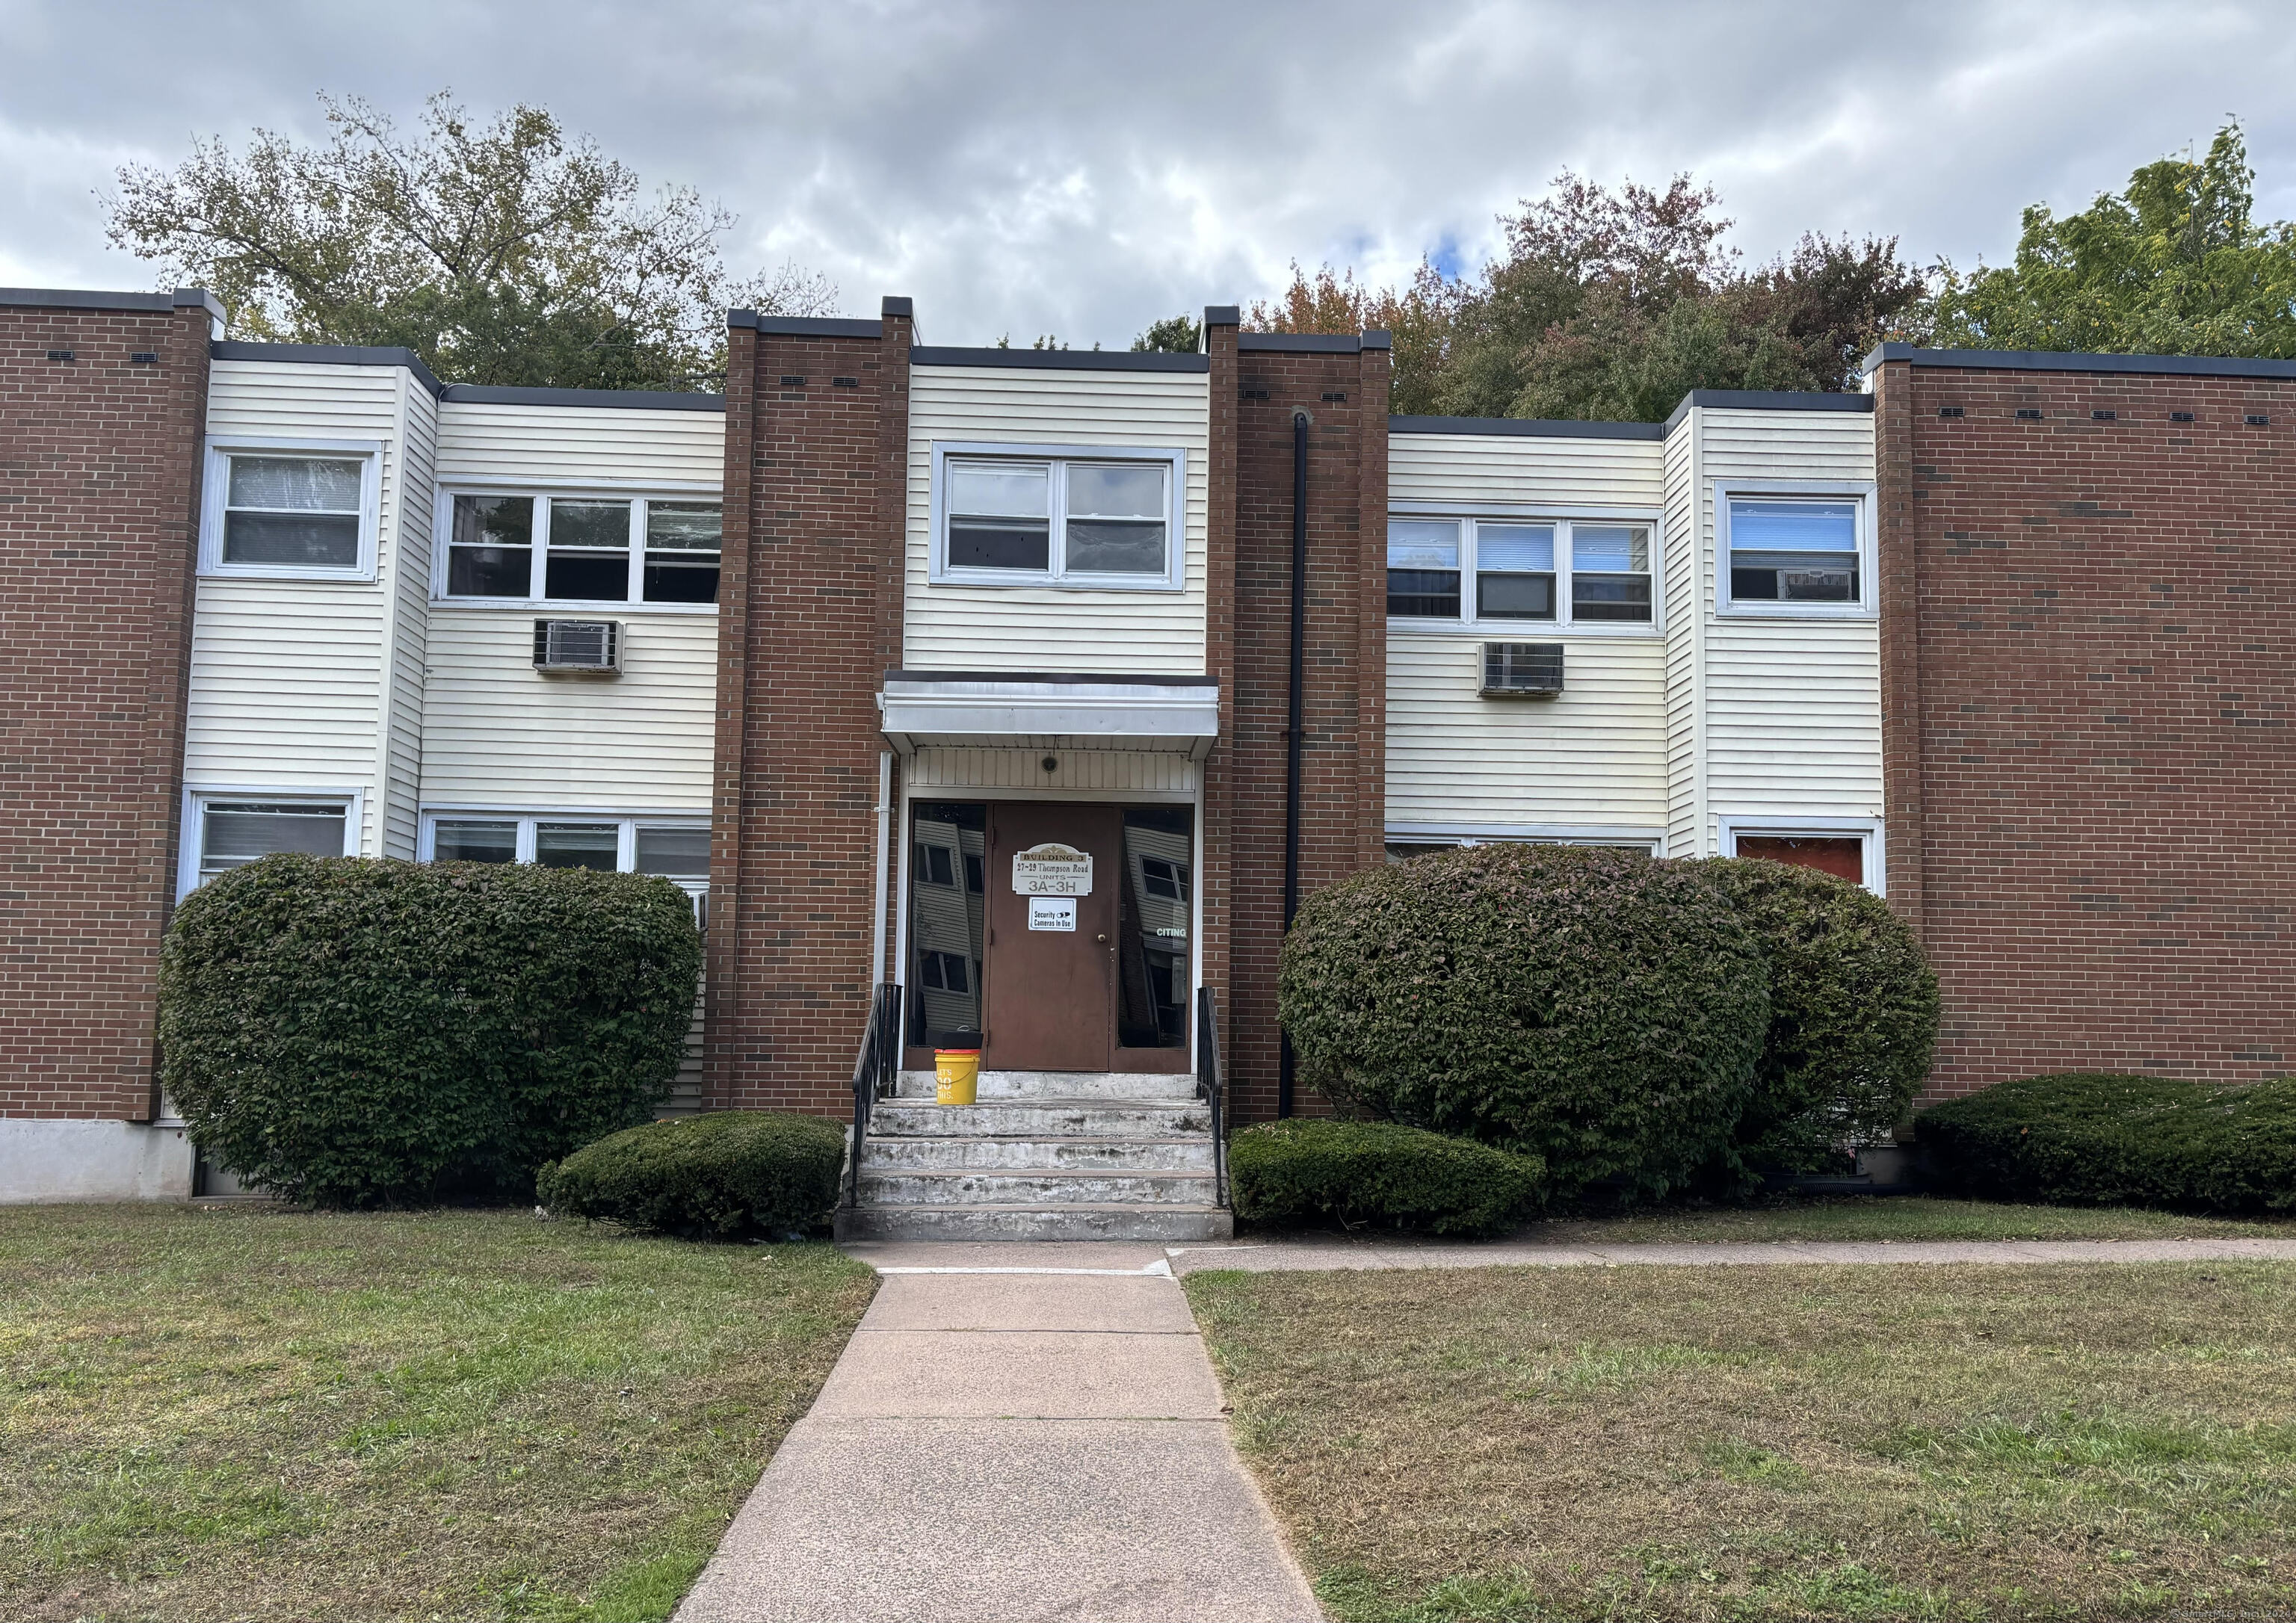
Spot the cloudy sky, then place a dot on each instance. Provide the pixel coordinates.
(1084, 168)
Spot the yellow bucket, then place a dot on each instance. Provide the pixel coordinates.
(956, 1073)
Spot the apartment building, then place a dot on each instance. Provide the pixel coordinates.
(1033, 684)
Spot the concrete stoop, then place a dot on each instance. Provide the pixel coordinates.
(1042, 1155)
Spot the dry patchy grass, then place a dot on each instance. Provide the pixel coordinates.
(255, 1413)
(2029, 1442)
(1901, 1217)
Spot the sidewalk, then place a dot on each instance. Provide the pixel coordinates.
(1312, 1252)
(1042, 1441)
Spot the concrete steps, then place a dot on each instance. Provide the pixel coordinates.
(1042, 1155)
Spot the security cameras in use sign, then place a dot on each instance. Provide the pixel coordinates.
(1052, 870)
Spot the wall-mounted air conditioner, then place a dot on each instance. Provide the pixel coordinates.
(1522, 670)
(580, 647)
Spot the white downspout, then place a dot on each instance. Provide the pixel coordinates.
(884, 831)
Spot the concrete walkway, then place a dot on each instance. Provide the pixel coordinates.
(1016, 1432)
(1317, 1252)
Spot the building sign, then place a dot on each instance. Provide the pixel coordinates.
(1051, 913)
(1052, 870)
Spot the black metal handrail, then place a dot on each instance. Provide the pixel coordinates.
(1207, 1087)
(876, 1074)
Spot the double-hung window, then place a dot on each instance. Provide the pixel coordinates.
(514, 547)
(1073, 517)
(227, 830)
(1563, 573)
(290, 510)
(1794, 553)
(670, 848)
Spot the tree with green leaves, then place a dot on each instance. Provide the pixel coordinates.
(2175, 265)
(513, 252)
(1174, 335)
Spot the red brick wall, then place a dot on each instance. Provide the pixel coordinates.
(816, 489)
(2088, 742)
(1343, 793)
(99, 511)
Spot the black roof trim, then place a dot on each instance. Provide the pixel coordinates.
(86, 299)
(1538, 428)
(899, 304)
(2048, 360)
(623, 399)
(1769, 400)
(1061, 360)
(330, 355)
(805, 326)
(1304, 343)
(1079, 678)
(1223, 316)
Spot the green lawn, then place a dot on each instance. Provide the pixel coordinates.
(257, 1414)
(1900, 1217)
(1495, 1445)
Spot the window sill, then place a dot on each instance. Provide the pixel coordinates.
(1044, 583)
(569, 610)
(1794, 611)
(365, 576)
(1521, 631)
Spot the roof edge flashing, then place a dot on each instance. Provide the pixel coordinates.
(1532, 428)
(2082, 361)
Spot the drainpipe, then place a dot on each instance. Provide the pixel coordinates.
(1285, 1062)
(884, 825)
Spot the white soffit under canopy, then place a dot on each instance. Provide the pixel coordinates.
(976, 710)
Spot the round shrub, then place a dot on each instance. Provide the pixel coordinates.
(1593, 1007)
(2095, 1139)
(1853, 1011)
(351, 1032)
(1378, 1172)
(728, 1173)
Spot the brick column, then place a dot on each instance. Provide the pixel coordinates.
(1898, 545)
(1215, 880)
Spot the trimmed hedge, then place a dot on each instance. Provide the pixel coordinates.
(2091, 1138)
(1593, 1007)
(1377, 1172)
(730, 1172)
(351, 1032)
(1853, 1013)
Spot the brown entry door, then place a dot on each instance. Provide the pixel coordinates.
(1051, 991)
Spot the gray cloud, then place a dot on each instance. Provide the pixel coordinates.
(1077, 169)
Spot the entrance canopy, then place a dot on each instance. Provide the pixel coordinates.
(1036, 709)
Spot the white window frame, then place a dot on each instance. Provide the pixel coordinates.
(1872, 859)
(214, 497)
(1652, 840)
(193, 838)
(626, 850)
(1862, 494)
(1470, 514)
(540, 491)
(1173, 458)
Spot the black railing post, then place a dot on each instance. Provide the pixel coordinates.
(1209, 1088)
(877, 1073)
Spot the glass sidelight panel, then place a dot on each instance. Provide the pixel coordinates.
(948, 864)
(1157, 907)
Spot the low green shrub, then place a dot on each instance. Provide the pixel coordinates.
(1593, 1007)
(2087, 1138)
(352, 1032)
(730, 1172)
(1375, 1172)
(1853, 1013)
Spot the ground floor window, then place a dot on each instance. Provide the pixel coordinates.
(1403, 845)
(673, 849)
(1155, 912)
(948, 849)
(231, 831)
(1843, 856)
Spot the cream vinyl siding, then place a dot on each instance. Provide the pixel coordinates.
(1794, 723)
(579, 445)
(979, 628)
(1112, 770)
(409, 609)
(1594, 755)
(1685, 642)
(289, 677)
(497, 733)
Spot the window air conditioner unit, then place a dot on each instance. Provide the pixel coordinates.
(581, 647)
(1522, 670)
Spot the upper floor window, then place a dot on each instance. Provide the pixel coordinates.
(581, 549)
(1555, 572)
(1076, 517)
(1794, 553)
(290, 510)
